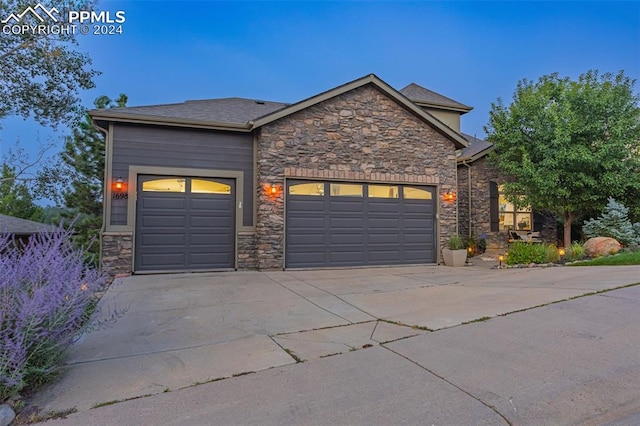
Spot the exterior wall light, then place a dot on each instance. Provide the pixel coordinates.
(272, 190)
(450, 196)
(119, 190)
(118, 185)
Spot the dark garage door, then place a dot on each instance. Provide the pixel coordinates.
(354, 224)
(184, 223)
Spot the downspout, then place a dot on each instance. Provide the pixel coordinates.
(464, 163)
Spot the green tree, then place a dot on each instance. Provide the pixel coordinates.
(41, 74)
(84, 156)
(566, 146)
(15, 198)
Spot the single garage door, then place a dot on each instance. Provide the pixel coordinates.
(184, 223)
(358, 224)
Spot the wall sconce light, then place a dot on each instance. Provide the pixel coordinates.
(119, 190)
(272, 190)
(118, 185)
(450, 196)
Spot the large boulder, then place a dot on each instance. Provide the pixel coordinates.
(601, 246)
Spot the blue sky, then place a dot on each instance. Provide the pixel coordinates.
(473, 52)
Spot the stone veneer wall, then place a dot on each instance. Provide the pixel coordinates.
(481, 174)
(361, 135)
(117, 253)
(247, 253)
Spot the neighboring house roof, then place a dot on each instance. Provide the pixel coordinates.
(246, 114)
(17, 226)
(224, 112)
(429, 98)
(477, 149)
(454, 136)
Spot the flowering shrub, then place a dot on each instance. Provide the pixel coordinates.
(46, 297)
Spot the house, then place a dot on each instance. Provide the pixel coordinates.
(22, 229)
(358, 175)
(483, 210)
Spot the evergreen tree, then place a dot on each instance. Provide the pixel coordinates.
(84, 154)
(614, 223)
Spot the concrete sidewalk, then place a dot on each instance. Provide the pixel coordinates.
(187, 329)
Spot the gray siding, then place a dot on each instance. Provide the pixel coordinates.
(187, 148)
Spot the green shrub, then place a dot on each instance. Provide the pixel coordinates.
(551, 254)
(575, 252)
(456, 242)
(524, 253)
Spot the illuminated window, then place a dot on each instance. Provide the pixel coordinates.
(346, 190)
(383, 191)
(512, 218)
(164, 185)
(411, 193)
(199, 186)
(313, 189)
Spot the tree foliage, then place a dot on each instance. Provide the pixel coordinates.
(41, 74)
(84, 156)
(15, 197)
(566, 146)
(613, 222)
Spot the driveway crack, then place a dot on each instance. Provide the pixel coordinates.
(491, 407)
(317, 305)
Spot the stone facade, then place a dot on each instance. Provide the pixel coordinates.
(247, 254)
(360, 135)
(477, 221)
(117, 253)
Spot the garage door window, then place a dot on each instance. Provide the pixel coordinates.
(164, 185)
(313, 189)
(199, 186)
(383, 191)
(416, 193)
(346, 190)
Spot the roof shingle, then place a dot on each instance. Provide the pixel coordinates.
(477, 148)
(419, 94)
(224, 110)
(17, 226)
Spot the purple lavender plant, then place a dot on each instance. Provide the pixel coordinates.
(46, 297)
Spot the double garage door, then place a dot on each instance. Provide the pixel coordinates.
(358, 224)
(184, 223)
(188, 223)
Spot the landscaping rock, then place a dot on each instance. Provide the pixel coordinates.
(6, 415)
(601, 246)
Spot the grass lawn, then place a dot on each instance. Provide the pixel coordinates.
(629, 258)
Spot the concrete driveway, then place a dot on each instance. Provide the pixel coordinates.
(184, 330)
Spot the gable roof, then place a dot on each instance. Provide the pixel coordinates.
(429, 98)
(477, 149)
(233, 113)
(18, 226)
(244, 115)
(455, 137)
